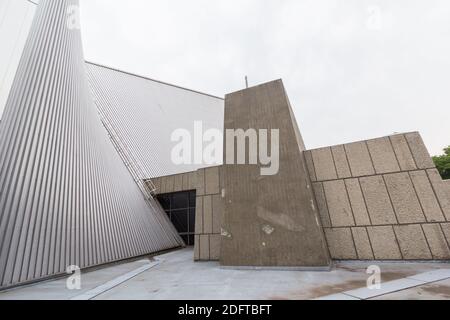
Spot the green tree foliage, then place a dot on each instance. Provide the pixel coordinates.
(443, 163)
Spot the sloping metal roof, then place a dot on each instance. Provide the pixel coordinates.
(66, 197)
(143, 113)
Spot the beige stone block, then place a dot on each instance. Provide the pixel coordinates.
(404, 198)
(427, 198)
(310, 165)
(341, 245)
(446, 230)
(359, 159)
(323, 164)
(207, 215)
(378, 202)
(340, 160)
(384, 243)
(178, 183)
(204, 248)
(199, 216)
(412, 242)
(357, 202)
(192, 176)
(362, 243)
(383, 156)
(218, 211)
(158, 185)
(442, 190)
(197, 248)
(212, 181)
(419, 151)
(338, 204)
(200, 182)
(403, 153)
(436, 239)
(214, 242)
(163, 185)
(169, 184)
(322, 204)
(186, 186)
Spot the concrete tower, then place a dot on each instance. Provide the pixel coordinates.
(270, 220)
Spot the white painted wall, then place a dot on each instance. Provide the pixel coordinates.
(16, 17)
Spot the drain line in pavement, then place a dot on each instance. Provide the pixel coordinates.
(91, 294)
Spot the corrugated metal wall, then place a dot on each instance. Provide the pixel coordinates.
(154, 110)
(66, 198)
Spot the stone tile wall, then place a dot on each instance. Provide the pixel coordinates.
(382, 199)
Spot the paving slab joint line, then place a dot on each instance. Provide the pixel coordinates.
(420, 280)
(93, 293)
(349, 295)
(400, 290)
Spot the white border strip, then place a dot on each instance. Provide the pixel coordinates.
(392, 286)
(91, 294)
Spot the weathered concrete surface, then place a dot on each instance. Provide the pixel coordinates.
(384, 243)
(394, 186)
(359, 159)
(403, 152)
(362, 244)
(404, 198)
(322, 204)
(310, 165)
(338, 203)
(323, 162)
(341, 163)
(419, 151)
(357, 202)
(435, 291)
(270, 221)
(413, 243)
(436, 240)
(341, 244)
(427, 196)
(177, 277)
(378, 201)
(383, 155)
(442, 189)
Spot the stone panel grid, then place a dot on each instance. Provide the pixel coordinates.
(391, 203)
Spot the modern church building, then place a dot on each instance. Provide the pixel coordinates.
(87, 175)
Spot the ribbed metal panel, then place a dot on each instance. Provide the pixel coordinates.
(144, 113)
(66, 197)
(16, 17)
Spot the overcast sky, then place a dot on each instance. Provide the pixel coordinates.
(353, 69)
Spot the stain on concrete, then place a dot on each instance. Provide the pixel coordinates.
(441, 290)
(325, 290)
(282, 220)
(320, 291)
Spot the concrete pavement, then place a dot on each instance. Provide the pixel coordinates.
(176, 276)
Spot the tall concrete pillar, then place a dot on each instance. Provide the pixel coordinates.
(270, 220)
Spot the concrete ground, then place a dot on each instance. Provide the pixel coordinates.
(175, 276)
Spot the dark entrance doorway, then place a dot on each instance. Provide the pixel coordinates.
(180, 207)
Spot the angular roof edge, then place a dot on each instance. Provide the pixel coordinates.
(154, 80)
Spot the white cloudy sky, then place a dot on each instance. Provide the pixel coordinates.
(353, 69)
